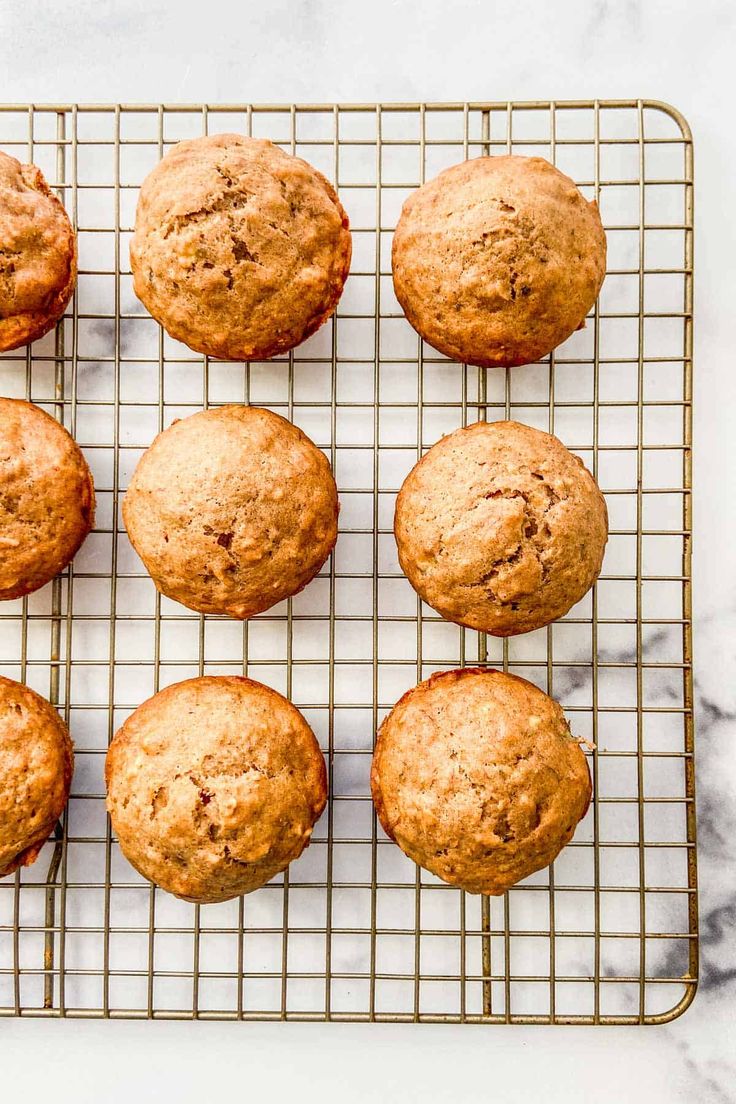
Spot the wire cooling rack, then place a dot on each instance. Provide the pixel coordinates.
(354, 931)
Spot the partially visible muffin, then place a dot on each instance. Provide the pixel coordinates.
(214, 786)
(47, 498)
(240, 250)
(36, 765)
(498, 260)
(38, 255)
(477, 778)
(232, 510)
(499, 527)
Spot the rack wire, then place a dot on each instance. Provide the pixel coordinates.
(354, 931)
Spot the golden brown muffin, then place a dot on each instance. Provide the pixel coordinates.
(497, 260)
(38, 255)
(232, 510)
(500, 528)
(47, 498)
(240, 250)
(36, 764)
(477, 778)
(214, 786)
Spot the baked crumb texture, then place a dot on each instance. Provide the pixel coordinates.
(477, 778)
(498, 260)
(36, 765)
(500, 528)
(47, 498)
(232, 510)
(38, 255)
(240, 250)
(214, 786)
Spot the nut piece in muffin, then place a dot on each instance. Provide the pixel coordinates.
(36, 764)
(38, 255)
(500, 528)
(214, 786)
(240, 250)
(476, 777)
(47, 498)
(232, 510)
(498, 260)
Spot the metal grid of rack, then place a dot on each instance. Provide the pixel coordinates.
(354, 931)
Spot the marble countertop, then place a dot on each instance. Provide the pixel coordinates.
(320, 51)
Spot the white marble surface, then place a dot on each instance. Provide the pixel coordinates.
(319, 50)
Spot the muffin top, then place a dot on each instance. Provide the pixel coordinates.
(47, 498)
(214, 785)
(240, 250)
(477, 778)
(497, 260)
(499, 527)
(36, 763)
(232, 510)
(38, 255)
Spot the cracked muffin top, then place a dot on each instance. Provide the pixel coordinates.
(38, 255)
(232, 510)
(499, 527)
(47, 499)
(498, 260)
(214, 786)
(240, 250)
(477, 778)
(36, 764)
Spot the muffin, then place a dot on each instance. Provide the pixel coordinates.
(500, 528)
(214, 786)
(38, 255)
(498, 260)
(47, 498)
(240, 250)
(36, 764)
(476, 777)
(232, 510)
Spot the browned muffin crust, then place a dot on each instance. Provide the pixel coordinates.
(214, 786)
(47, 498)
(36, 765)
(240, 250)
(477, 778)
(498, 260)
(499, 527)
(38, 255)
(232, 510)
